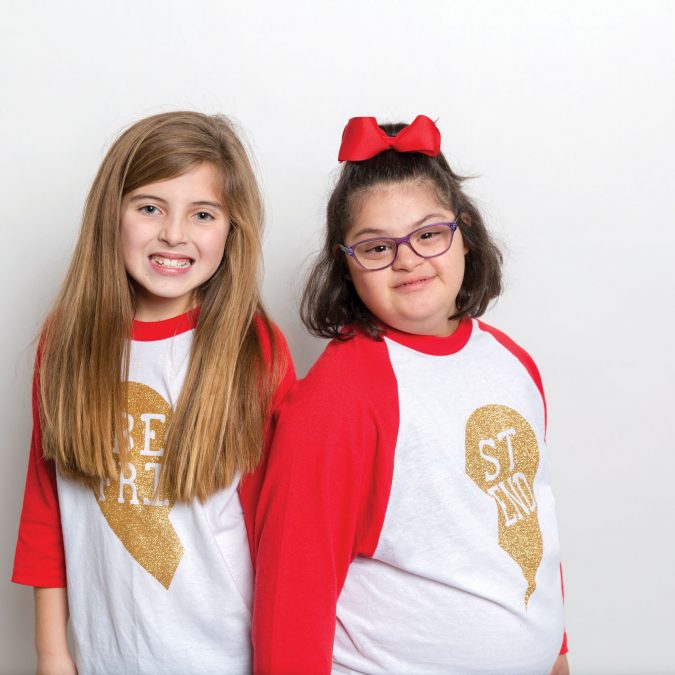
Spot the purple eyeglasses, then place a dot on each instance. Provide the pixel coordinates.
(378, 254)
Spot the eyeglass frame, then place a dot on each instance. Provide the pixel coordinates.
(349, 250)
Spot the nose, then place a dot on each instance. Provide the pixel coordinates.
(406, 258)
(173, 231)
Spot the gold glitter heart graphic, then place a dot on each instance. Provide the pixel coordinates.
(138, 516)
(502, 456)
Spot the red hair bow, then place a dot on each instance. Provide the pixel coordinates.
(363, 139)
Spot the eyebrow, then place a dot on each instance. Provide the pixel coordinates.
(378, 231)
(214, 205)
(155, 198)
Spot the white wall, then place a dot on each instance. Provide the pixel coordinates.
(563, 110)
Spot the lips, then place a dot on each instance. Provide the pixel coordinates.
(412, 284)
(170, 264)
(171, 261)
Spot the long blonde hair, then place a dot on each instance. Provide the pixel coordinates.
(217, 426)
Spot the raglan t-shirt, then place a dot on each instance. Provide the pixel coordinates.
(407, 522)
(154, 586)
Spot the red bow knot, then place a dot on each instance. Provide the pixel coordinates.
(363, 139)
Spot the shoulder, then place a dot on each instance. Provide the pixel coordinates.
(351, 367)
(511, 345)
(269, 334)
(276, 356)
(517, 351)
(272, 343)
(347, 387)
(339, 412)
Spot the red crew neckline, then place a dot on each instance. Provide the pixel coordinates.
(431, 344)
(148, 331)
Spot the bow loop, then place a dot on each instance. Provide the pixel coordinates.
(363, 139)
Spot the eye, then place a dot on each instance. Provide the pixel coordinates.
(149, 209)
(377, 247)
(204, 216)
(431, 233)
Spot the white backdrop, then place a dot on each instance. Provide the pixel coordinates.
(563, 111)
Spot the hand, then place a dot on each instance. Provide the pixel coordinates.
(56, 665)
(561, 667)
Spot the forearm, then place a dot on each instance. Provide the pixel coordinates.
(51, 641)
(561, 667)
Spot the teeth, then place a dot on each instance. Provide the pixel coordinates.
(171, 262)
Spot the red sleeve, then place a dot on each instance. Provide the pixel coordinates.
(563, 647)
(251, 484)
(322, 504)
(39, 559)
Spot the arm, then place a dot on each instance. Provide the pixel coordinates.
(39, 559)
(51, 642)
(563, 648)
(272, 341)
(529, 365)
(561, 667)
(303, 553)
(322, 504)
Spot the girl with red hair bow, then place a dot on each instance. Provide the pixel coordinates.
(406, 523)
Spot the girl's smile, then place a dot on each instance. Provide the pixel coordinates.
(173, 235)
(413, 284)
(170, 264)
(415, 294)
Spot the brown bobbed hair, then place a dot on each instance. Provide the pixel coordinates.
(217, 426)
(330, 302)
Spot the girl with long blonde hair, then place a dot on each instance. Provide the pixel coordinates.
(157, 377)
